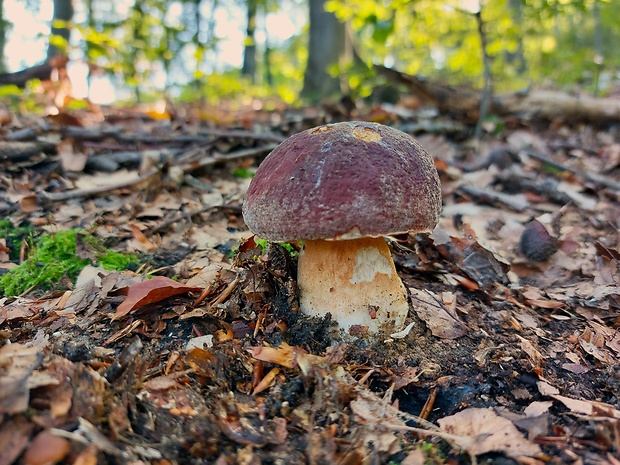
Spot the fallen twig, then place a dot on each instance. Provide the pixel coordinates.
(598, 179)
(95, 191)
(493, 197)
(209, 161)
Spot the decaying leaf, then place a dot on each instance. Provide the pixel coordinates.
(430, 309)
(151, 291)
(17, 362)
(283, 355)
(485, 431)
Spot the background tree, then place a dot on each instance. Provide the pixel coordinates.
(326, 50)
(4, 29)
(61, 28)
(249, 50)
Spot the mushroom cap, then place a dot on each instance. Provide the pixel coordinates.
(342, 181)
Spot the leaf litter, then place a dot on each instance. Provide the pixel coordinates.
(511, 347)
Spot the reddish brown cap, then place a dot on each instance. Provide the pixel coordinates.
(338, 179)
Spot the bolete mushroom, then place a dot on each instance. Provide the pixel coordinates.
(340, 188)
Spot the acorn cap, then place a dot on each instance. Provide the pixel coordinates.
(343, 181)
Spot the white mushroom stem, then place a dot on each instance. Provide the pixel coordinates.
(355, 280)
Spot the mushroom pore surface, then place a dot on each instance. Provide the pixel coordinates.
(344, 180)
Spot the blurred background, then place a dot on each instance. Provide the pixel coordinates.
(293, 51)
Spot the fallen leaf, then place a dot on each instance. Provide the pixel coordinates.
(17, 362)
(14, 437)
(266, 382)
(430, 309)
(537, 408)
(283, 355)
(151, 291)
(141, 238)
(589, 407)
(46, 449)
(482, 430)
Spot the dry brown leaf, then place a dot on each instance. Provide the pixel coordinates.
(46, 449)
(283, 355)
(14, 437)
(69, 158)
(141, 238)
(266, 382)
(537, 408)
(482, 430)
(589, 407)
(17, 362)
(429, 308)
(531, 351)
(151, 291)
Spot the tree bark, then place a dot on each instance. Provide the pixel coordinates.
(3, 32)
(249, 51)
(63, 14)
(326, 47)
(534, 104)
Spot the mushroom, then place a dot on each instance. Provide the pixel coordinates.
(340, 188)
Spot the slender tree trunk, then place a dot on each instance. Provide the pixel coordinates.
(138, 19)
(267, 62)
(3, 34)
(61, 27)
(326, 47)
(599, 58)
(249, 52)
(487, 90)
(516, 6)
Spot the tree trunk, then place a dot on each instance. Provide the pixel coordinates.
(63, 14)
(326, 47)
(249, 52)
(3, 33)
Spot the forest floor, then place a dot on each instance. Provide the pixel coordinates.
(513, 356)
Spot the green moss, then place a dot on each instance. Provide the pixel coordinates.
(116, 261)
(14, 236)
(243, 173)
(263, 245)
(54, 257)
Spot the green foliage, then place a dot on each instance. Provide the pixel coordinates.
(14, 236)
(243, 173)
(116, 261)
(54, 257)
(528, 40)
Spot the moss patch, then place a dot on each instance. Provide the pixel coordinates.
(56, 257)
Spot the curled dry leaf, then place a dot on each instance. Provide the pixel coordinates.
(480, 430)
(151, 291)
(431, 310)
(283, 355)
(46, 449)
(17, 362)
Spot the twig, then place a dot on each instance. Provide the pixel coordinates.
(547, 188)
(188, 215)
(237, 134)
(85, 193)
(247, 153)
(490, 196)
(598, 179)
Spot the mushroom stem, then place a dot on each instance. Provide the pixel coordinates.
(355, 280)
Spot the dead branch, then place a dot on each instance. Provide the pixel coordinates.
(95, 191)
(541, 104)
(41, 71)
(214, 160)
(493, 197)
(598, 179)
